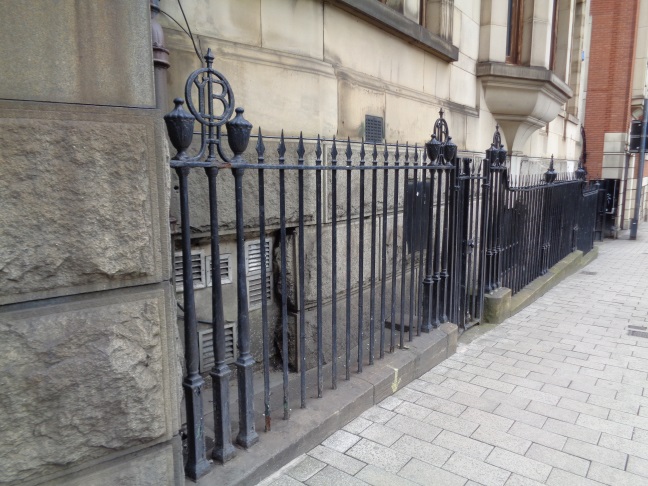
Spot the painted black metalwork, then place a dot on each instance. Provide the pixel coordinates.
(465, 227)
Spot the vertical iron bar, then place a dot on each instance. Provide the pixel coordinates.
(334, 357)
(394, 256)
(361, 262)
(318, 249)
(436, 278)
(404, 253)
(412, 263)
(302, 276)
(486, 177)
(348, 262)
(448, 207)
(247, 435)
(383, 244)
(220, 373)
(429, 257)
(284, 285)
(260, 148)
(422, 244)
(197, 464)
(372, 298)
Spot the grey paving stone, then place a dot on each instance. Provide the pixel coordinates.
(437, 390)
(408, 393)
(518, 464)
(413, 447)
(628, 419)
(357, 425)
(501, 439)
(475, 402)
(494, 384)
(464, 387)
(564, 478)
(306, 467)
(516, 480)
(537, 395)
(379, 477)
(638, 466)
(535, 368)
(412, 410)
(482, 371)
(593, 390)
(378, 455)
(552, 411)
(607, 426)
(331, 476)
(382, 434)
(341, 440)
(500, 397)
(525, 382)
(509, 370)
(630, 447)
(561, 391)
(390, 403)
(484, 418)
(522, 357)
(283, 480)
(460, 375)
(413, 427)
(428, 475)
(540, 436)
(560, 365)
(454, 424)
(341, 461)
(432, 377)
(558, 380)
(441, 405)
(596, 453)
(561, 460)
(377, 414)
(459, 443)
(640, 436)
(616, 477)
(581, 407)
(519, 415)
(476, 470)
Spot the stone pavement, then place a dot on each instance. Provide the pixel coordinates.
(557, 394)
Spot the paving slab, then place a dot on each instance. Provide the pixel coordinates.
(556, 394)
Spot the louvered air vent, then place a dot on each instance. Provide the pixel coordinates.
(197, 270)
(225, 269)
(206, 345)
(255, 285)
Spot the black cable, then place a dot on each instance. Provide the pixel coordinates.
(198, 53)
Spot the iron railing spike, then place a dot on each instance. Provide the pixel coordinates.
(281, 150)
(260, 147)
(334, 152)
(318, 148)
(362, 151)
(300, 147)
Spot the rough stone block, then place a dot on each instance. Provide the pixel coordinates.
(82, 201)
(79, 52)
(82, 380)
(497, 306)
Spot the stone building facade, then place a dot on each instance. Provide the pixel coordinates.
(88, 329)
(88, 355)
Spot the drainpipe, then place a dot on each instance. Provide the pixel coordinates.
(160, 57)
(625, 189)
(642, 156)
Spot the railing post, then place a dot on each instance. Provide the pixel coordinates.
(220, 373)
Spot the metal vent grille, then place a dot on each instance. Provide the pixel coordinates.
(373, 129)
(197, 270)
(225, 269)
(255, 285)
(206, 346)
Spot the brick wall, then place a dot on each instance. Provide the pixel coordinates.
(609, 85)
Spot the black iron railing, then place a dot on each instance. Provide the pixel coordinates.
(391, 241)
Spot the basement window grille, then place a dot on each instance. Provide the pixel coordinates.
(197, 269)
(225, 269)
(254, 282)
(206, 346)
(373, 129)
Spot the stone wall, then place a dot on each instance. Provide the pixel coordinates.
(88, 358)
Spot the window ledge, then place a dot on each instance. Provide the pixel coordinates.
(400, 26)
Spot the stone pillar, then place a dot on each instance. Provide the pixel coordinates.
(87, 316)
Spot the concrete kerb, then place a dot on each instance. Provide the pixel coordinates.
(501, 304)
(309, 427)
